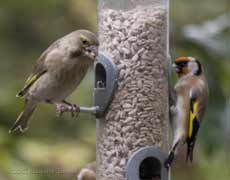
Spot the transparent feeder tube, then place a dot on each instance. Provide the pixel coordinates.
(134, 33)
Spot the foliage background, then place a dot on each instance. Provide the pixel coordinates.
(55, 148)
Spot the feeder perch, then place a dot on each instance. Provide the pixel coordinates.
(105, 83)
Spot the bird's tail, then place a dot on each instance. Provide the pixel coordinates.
(190, 147)
(23, 118)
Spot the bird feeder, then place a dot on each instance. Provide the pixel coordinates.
(131, 90)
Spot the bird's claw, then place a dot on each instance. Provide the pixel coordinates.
(169, 160)
(61, 108)
(167, 165)
(72, 108)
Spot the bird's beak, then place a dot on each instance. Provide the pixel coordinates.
(92, 52)
(177, 69)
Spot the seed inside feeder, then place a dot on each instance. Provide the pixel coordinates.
(138, 115)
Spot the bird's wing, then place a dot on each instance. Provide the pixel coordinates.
(193, 116)
(38, 71)
(194, 125)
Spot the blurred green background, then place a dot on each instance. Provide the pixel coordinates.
(55, 148)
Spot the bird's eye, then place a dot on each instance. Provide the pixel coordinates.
(84, 41)
(183, 63)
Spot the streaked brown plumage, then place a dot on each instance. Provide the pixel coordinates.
(191, 101)
(57, 73)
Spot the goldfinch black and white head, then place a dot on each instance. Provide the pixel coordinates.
(187, 65)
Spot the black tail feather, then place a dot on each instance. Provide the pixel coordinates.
(190, 147)
(192, 140)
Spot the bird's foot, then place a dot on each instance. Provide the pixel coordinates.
(64, 107)
(169, 160)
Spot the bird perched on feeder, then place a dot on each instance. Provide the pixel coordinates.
(58, 71)
(191, 101)
(88, 173)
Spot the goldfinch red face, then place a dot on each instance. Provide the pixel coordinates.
(187, 65)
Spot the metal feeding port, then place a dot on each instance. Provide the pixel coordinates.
(147, 164)
(105, 83)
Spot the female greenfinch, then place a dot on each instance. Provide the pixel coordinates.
(57, 73)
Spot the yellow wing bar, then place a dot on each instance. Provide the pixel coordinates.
(192, 116)
(30, 81)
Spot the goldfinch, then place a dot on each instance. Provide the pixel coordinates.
(57, 73)
(191, 101)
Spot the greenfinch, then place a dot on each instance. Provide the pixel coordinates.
(57, 73)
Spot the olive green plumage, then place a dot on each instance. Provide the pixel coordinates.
(57, 72)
